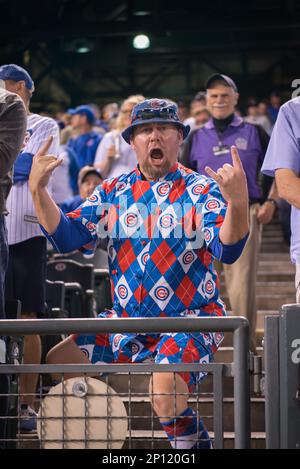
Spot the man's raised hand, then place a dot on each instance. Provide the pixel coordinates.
(231, 179)
(43, 165)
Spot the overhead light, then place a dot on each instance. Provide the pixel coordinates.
(83, 49)
(80, 46)
(141, 8)
(141, 41)
(141, 13)
(83, 46)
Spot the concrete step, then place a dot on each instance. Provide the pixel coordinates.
(280, 256)
(146, 440)
(279, 288)
(228, 338)
(274, 240)
(260, 324)
(272, 233)
(275, 276)
(273, 271)
(143, 418)
(265, 302)
(225, 354)
(261, 315)
(276, 265)
(270, 288)
(273, 226)
(139, 382)
(275, 247)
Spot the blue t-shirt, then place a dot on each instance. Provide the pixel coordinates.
(71, 204)
(81, 151)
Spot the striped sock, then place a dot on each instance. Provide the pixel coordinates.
(183, 432)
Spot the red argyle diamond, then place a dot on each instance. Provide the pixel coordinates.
(186, 291)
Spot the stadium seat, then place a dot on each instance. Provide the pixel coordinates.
(79, 283)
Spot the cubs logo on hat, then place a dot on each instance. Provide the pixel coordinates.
(161, 111)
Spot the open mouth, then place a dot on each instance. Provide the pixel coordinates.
(156, 154)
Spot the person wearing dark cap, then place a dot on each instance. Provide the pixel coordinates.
(12, 131)
(165, 224)
(210, 145)
(88, 179)
(26, 273)
(273, 108)
(82, 148)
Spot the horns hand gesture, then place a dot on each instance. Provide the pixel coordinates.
(43, 166)
(231, 179)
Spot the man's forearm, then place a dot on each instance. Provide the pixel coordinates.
(273, 194)
(236, 223)
(105, 166)
(47, 211)
(12, 131)
(288, 184)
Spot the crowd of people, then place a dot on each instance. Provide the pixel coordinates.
(206, 159)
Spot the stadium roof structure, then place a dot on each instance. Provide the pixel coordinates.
(81, 50)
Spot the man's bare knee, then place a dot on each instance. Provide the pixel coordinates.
(164, 389)
(64, 353)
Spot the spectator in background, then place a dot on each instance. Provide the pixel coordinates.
(210, 146)
(263, 109)
(88, 179)
(12, 130)
(61, 184)
(98, 125)
(183, 110)
(26, 273)
(198, 111)
(66, 119)
(283, 161)
(82, 148)
(114, 156)
(108, 116)
(59, 117)
(273, 109)
(253, 116)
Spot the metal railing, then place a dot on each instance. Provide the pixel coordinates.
(239, 368)
(282, 378)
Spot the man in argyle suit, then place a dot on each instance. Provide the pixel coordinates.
(164, 224)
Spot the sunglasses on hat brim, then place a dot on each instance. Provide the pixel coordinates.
(164, 113)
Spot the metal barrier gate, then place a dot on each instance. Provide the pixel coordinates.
(239, 369)
(282, 378)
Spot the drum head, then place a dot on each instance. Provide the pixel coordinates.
(82, 413)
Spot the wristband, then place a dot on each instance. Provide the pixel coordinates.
(273, 201)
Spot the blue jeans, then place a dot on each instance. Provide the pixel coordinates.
(3, 263)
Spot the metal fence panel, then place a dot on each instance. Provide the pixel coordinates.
(237, 325)
(271, 353)
(289, 343)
